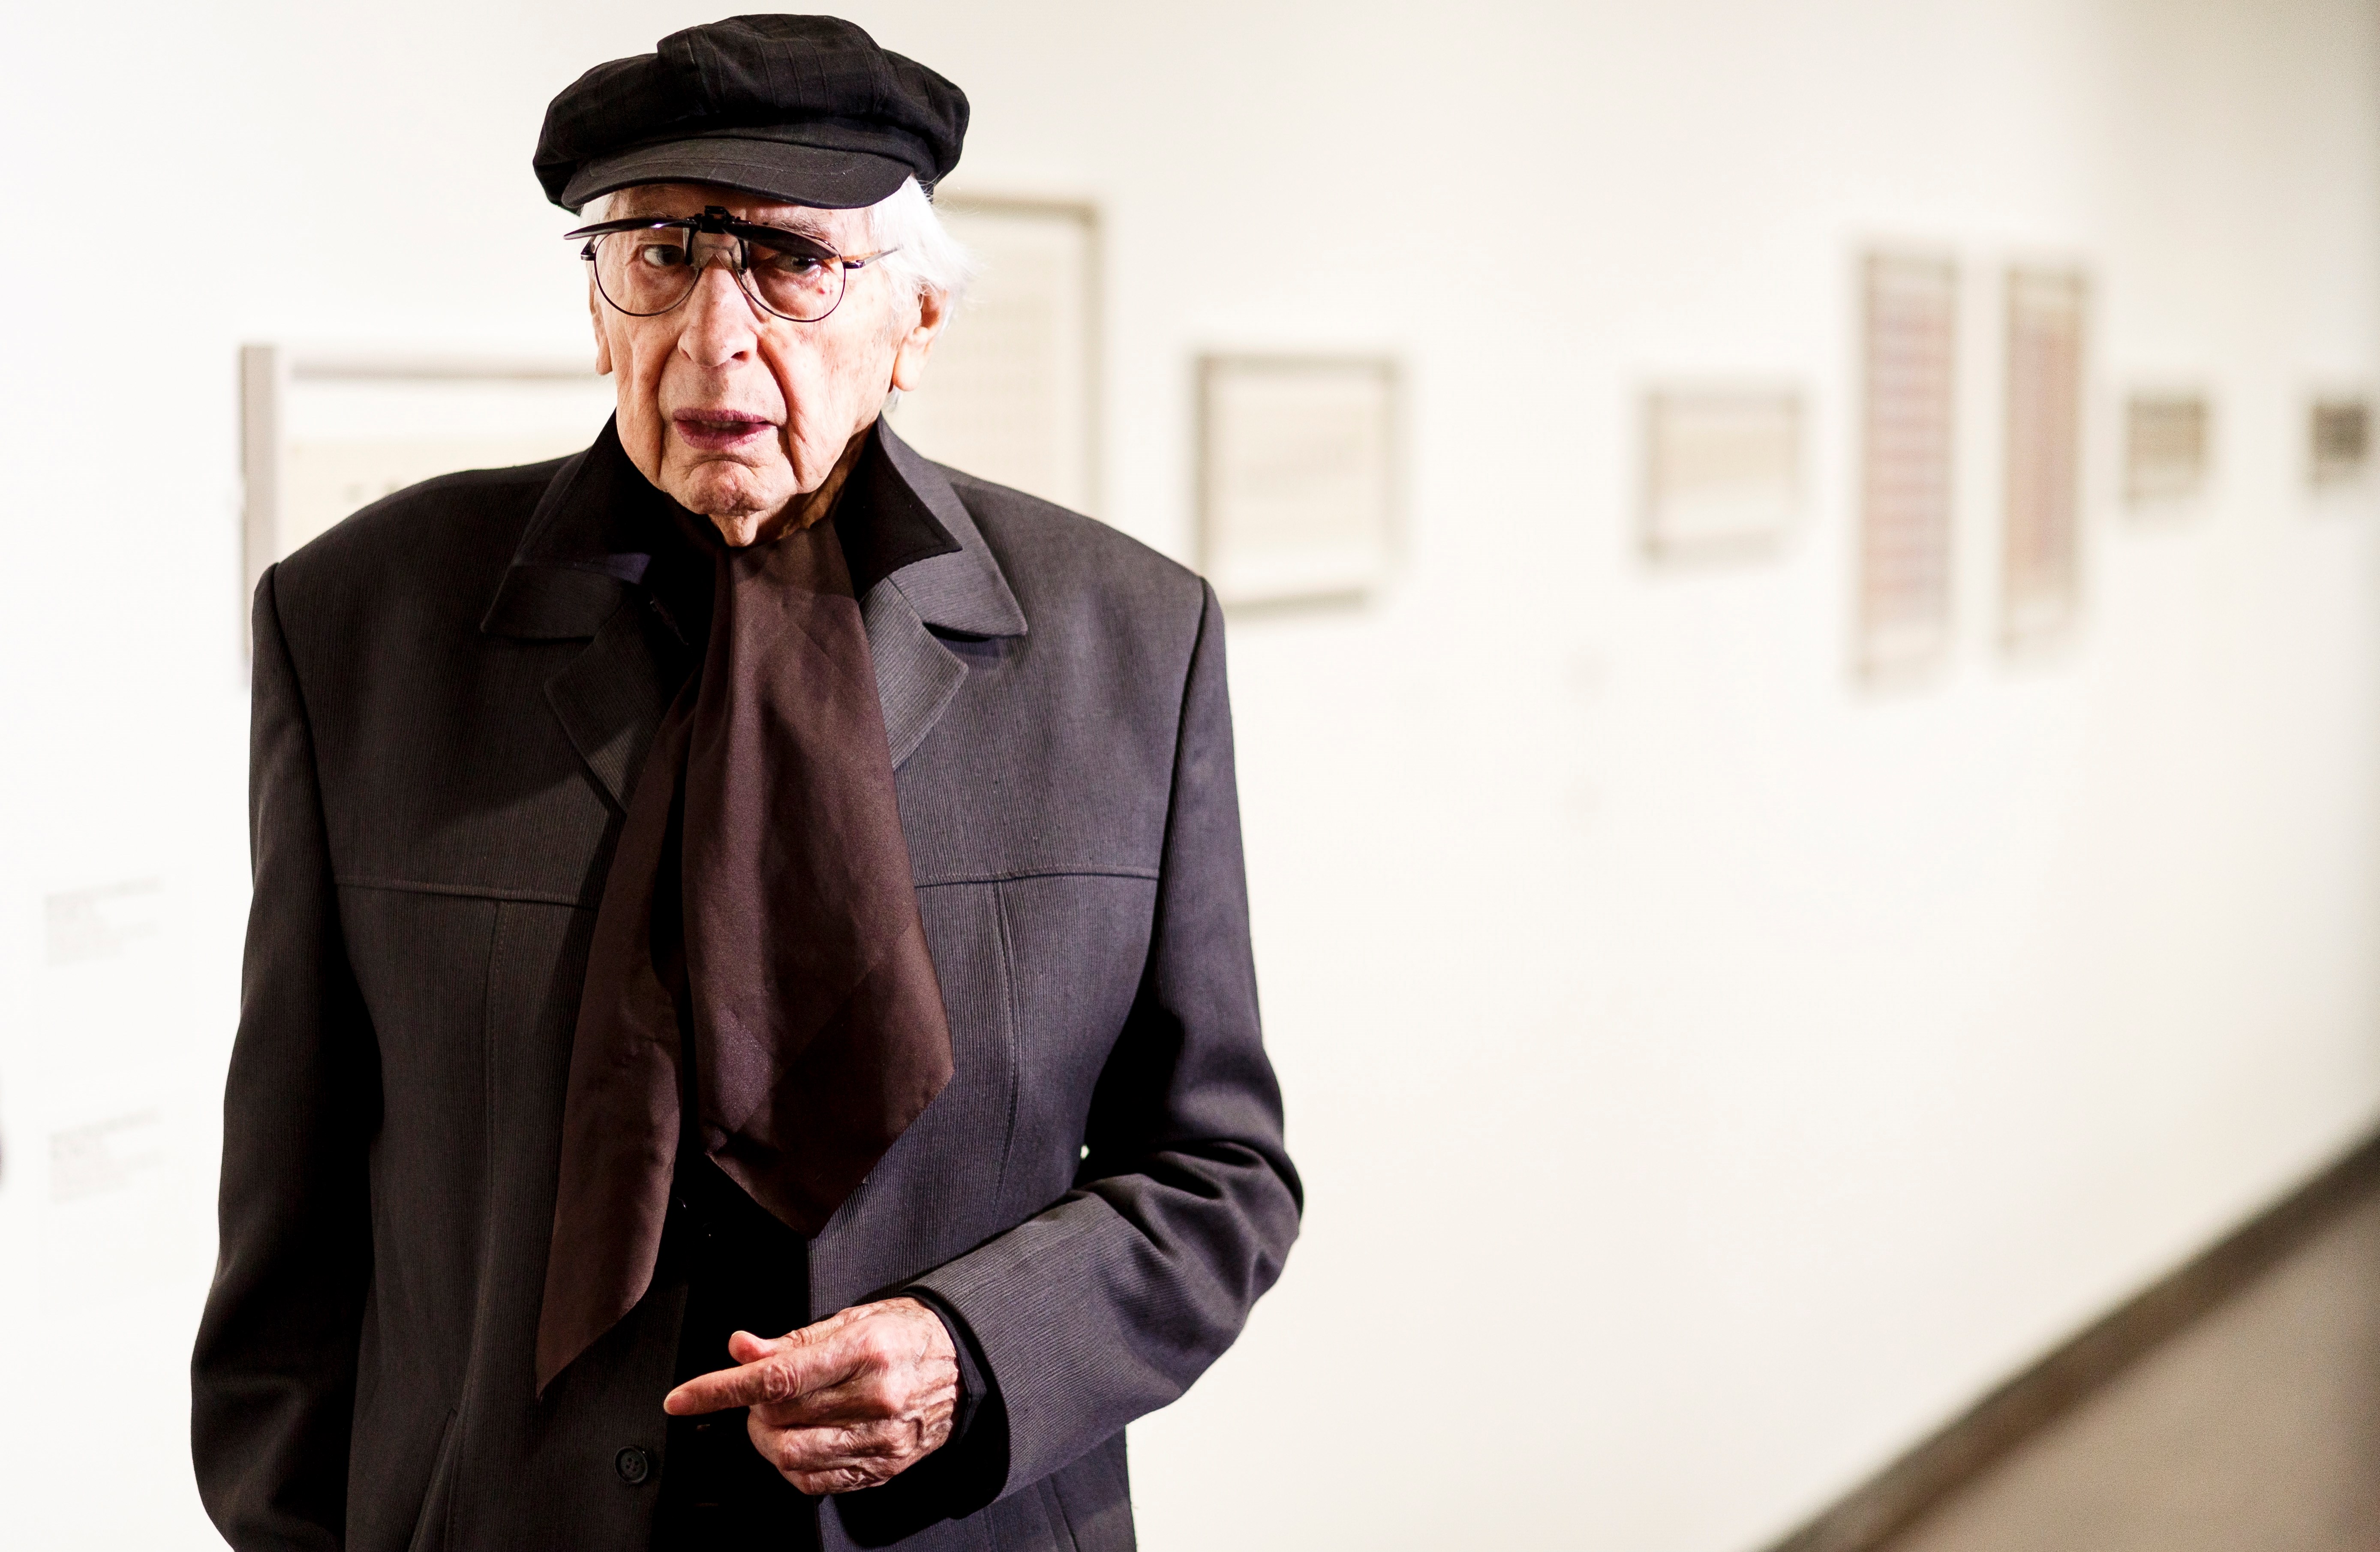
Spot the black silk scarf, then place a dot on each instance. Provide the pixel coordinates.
(758, 937)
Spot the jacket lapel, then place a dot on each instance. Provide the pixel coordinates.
(576, 577)
(611, 698)
(961, 592)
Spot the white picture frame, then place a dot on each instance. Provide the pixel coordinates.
(2168, 447)
(1723, 469)
(2041, 548)
(1297, 476)
(1907, 351)
(324, 432)
(1013, 388)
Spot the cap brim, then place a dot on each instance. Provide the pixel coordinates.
(798, 174)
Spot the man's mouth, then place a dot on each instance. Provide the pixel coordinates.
(716, 431)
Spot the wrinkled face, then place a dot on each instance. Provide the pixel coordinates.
(740, 415)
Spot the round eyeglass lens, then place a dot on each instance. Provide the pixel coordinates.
(649, 272)
(796, 280)
(644, 273)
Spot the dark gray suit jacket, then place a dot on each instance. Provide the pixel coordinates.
(454, 693)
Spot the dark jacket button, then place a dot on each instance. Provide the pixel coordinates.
(634, 1464)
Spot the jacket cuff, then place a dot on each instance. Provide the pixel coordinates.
(974, 1382)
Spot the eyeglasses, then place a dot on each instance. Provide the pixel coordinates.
(645, 266)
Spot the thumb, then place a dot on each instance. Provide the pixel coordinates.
(745, 1347)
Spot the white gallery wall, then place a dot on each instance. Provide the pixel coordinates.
(1709, 1071)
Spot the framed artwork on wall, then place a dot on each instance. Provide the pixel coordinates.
(1722, 469)
(1908, 355)
(1296, 475)
(1012, 390)
(2338, 440)
(2169, 441)
(324, 434)
(2041, 547)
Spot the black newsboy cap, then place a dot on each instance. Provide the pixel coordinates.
(806, 109)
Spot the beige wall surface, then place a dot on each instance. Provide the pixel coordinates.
(1709, 1069)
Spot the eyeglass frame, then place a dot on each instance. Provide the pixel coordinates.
(717, 220)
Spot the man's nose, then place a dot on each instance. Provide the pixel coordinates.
(720, 326)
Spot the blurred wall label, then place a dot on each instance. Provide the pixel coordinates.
(2166, 438)
(1296, 475)
(122, 1214)
(1909, 326)
(1012, 390)
(101, 923)
(102, 1156)
(1723, 469)
(2041, 553)
(2338, 435)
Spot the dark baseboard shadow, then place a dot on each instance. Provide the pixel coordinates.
(1901, 1494)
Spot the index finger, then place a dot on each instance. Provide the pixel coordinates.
(793, 1368)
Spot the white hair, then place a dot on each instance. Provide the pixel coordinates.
(919, 254)
(918, 249)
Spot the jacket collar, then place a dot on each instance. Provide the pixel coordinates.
(590, 540)
(594, 533)
(601, 538)
(962, 591)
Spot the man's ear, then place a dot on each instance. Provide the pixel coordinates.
(909, 360)
(595, 321)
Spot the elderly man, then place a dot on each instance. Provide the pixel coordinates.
(748, 1036)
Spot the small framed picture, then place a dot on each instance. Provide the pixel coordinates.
(1722, 469)
(1012, 390)
(2041, 549)
(2168, 445)
(1296, 475)
(2338, 440)
(1908, 424)
(326, 434)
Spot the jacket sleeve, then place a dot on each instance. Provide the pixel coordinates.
(273, 1379)
(1109, 1303)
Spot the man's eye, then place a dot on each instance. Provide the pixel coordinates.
(661, 256)
(786, 262)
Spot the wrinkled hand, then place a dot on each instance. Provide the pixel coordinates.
(850, 1402)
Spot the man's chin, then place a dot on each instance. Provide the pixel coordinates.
(724, 490)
